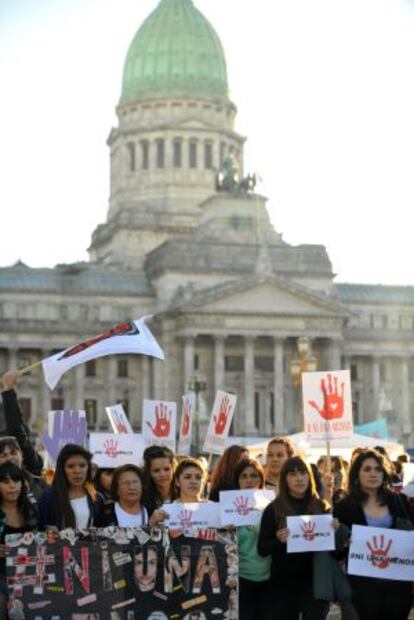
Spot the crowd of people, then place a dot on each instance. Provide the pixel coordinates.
(273, 584)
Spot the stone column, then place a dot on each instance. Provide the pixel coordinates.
(79, 378)
(375, 387)
(346, 362)
(12, 362)
(278, 386)
(188, 360)
(249, 424)
(406, 426)
(111, 395)
(334, 355)
(218, 363)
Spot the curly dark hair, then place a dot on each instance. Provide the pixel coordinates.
(354, 487)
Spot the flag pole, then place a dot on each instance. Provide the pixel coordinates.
(26, 369)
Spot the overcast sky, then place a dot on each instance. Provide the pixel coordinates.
(325, 93)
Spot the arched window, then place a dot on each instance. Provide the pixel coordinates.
(144, 154)
(208, 155)
(160, 146)
(131, 152)
(177, 152)
(192, 154)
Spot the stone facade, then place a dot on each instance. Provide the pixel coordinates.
(230, 297)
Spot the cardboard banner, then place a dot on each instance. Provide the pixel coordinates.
(220, 421)
(243, 507)
(110, 450)
(64, 426)
(381, 553)
(118, 419)
(186, 426)
(193, 515)
(327, 404)
(159, 423)
(121, 574)
(310, 533)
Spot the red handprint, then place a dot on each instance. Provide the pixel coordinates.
(162, 421)
(185, 426)
(111, 448)
(333, 402)
(308, 530)
(185, 517)
(242, 505)
(221, 419)
(379, 552)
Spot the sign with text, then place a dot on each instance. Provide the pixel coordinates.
(243, 507)
(122, 574)
(159, 423)
(327, 404)
(382, 553)
(64, 426)
(220, 421)
(118, 419)
(193, 515)
(114, 450)
(310, 533)
(186, 426)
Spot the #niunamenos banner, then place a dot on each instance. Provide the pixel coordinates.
(220, 421)
(159, 423)
(310, 533)
(382, 553)
(327, 404)
(129, 337)
(186, 426)
(118, 419)
(243, 507)
(113, 450)
(122, 574)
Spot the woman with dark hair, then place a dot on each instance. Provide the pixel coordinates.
(291, 579)
(102, 483)
(126, 508)
(254, 570)
(190, 476)
(371, 502)
(71, 500)
(17, 515)
(159, 465)
(223, 474)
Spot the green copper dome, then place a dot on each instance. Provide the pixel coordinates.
(175, 52)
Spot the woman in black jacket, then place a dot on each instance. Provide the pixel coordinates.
(371, 502)
(291, 574)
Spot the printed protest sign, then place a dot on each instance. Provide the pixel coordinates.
(408, 479)
(186, 426)
(310, 533)
(159, 423)
(110, 450)
(64, 426)
(192, 515)
(243, 507)
(121, 574)
(220, 421)
(327, 404)
(118, 419)
(382, 553)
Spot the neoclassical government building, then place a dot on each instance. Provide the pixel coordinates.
(186, 240)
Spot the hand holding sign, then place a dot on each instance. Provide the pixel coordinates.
(68, 427)
(333, 402)
(221, 419)
(162, 421)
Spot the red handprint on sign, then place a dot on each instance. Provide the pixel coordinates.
(333, 401)
(111, 448)
(223, 415)
(162, 421)
(379, 552)
(308, 530)
(242, 505)
(185, 426)
(185, 517)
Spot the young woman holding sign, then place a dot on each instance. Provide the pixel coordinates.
(371, 502)
(291, 578)
(254, 570)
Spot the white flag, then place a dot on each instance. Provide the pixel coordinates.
(129, 337)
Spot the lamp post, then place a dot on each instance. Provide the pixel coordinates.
(196, 384)
(304, 362)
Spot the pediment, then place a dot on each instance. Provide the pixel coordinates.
(271, 296)
(192, 123)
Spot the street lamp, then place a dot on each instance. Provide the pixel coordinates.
(196, 384)
(305, 362)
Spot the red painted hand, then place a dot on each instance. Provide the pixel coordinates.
(333, 401)
(162, 421)
(185, 426)
(221, 419)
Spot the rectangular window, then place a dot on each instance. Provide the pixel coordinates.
(256, 410)
(58, 404)
(177, 153)
(131, 153)
(90, 368)
(192, 155)
(160, 153)
(123, 368)
(208, 155)
(234, 363)
(264, 363)
(144, 154)
(196, 362)
(91, 408)
(222, 153)
(354, 372)
(272, 410)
